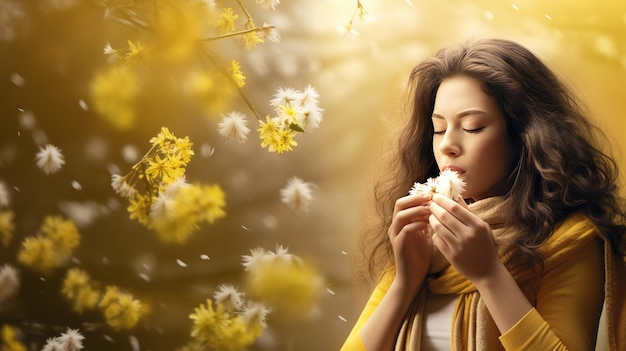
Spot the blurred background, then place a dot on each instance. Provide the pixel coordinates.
(51, 50)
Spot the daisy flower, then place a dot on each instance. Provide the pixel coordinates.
(297, 194)
(234, 126)
(50, 159)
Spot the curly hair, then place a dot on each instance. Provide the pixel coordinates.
(560, 168)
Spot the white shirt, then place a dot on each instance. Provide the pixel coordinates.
(437, 322)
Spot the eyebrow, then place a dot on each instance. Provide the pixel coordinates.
(463, 114)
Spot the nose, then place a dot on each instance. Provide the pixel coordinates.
(450, 145)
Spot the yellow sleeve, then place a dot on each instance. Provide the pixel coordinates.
(568, 307)
(354, 341)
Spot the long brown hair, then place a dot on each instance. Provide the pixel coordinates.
(560, 169)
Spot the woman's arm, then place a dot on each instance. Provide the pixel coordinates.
(412, 254)
(562, 319)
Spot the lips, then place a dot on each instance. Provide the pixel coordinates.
(453, 168)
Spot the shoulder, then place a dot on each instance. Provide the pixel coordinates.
(573, 234)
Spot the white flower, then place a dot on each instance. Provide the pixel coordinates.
(256, 258)
(71, 340)
(9, 282)
(285, 97)
(270, 33)
(310, 118)
(234, 126)
(268, 4)
(348, 32)
(4, 195)
(121, 187)
(110, 53)
(231, 298)
(53, 344)
(309, 96)
(448, 184)
(281, 255)
(297, 194)
(50, 159)
(255, 313)
(161, 207)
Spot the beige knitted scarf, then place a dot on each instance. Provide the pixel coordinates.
(472, 326)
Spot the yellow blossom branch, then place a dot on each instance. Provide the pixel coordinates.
(232, 34)
(243, 8)
(258, 114)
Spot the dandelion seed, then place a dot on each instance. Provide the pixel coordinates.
(9, 282)
(270, 33)
(297, 194)
(229, 297)
(112, 54)
(27, 120)
(255, 313)
(50, 159)
(71, 340)
(17, 79)
(234, 126)
(342, 318)
(181, 263)
(205, 257)
(4, 195)
(548, 16)
(53, 344)
(144, 276)
(515, 7)
(256, 258)
(76, 185)
(330, 291)
(121, 187)
(268, 4)
(83, 105)
(343, 252)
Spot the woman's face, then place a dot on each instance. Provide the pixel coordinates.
(470, 137)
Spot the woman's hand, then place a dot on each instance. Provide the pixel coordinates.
(463, 238)
(410, 241)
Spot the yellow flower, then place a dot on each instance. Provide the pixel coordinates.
(285, 141)
(121, 310)
(6, 227)
(269, 133)
(220, 330)
(137, 54)
(63, 234)
(163, 138)
(291, 287)
(191, 205)
(251, 39)
(236, 74)
(183, 147)
(38, 253)
(78, 289)
(8, 340)
(139, 206)
(114, 92)
(226, 22)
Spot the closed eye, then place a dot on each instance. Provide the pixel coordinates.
(439, 132)
(475, 130)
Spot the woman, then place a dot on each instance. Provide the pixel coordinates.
(528, 264)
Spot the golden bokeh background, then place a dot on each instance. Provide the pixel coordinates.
(50, 50)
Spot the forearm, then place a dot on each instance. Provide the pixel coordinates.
(381, 329)
(504, 299)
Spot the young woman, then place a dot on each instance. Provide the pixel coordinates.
(533, 250)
